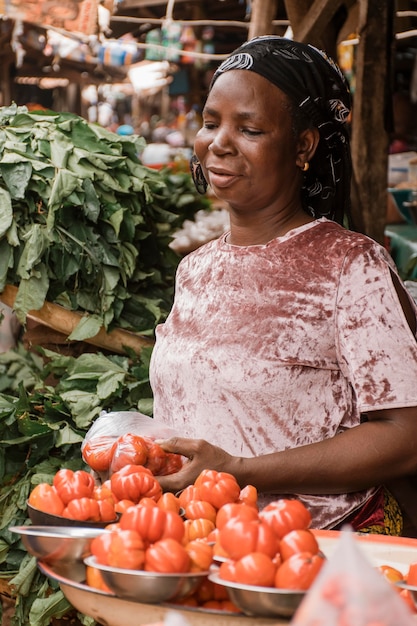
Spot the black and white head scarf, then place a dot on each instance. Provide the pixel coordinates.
(315, 85)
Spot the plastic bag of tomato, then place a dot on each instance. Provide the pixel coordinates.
(125, 438)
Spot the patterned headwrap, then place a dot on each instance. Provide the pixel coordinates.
(315, 85)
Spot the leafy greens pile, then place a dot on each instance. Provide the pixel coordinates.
(84, 224)
(41, 429)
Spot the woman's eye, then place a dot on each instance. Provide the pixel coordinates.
(251, 132)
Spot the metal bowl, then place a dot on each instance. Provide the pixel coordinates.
(261, 601)
(64, 548)
(41, 518)
(147, 587)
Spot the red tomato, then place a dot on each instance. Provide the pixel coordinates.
(128, 449)
(71, 485)
(103, 492)
(167, 556)
(249, 495)
(286, 515)
(94, 579)
(201, 555)
(153, 523)
(157, 456)
(134, 482)
(122, 548)
(218, 488)
(209, 590)
(408, 599)
(200, 509)
(83, 509)
(239, 537)
(106, 509)
(169, 502)
(299, 571)
(227, 571)
(122, 505)
(298, 541)
(197, 529)
(411, 577)
(97, 453)
(188, 494)
(235, 510)
(256, 569)
(45, 498)
(172, 465)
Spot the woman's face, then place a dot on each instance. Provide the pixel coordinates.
(247, 147)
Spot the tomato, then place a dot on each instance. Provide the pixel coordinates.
(197, 529)
(172, 465)
(209, 590)
(128, 449)
(169, 502)
(227, 571)
(103, 492)
(121, 548)
(256, 569)
(167, 556)
(97, 453)
(153, 523)
(94, 579)
(201, 555)
(298, 541)
(189, 493)
(411, 577)
(218, 488)
(235, 510)
(45, 498)
(408, 599)
(122, 505)
(299, 571)
(286, 515)
(157, 456)
(200, 509)
(249, 495)
(134, 482)
(391, 574)
(229, 606)
(106, 509)
(239, 537)
(71, 485)
(83, 509)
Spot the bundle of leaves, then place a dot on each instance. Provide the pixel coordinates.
(84, 224)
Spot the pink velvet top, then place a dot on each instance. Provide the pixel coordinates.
(274, 346)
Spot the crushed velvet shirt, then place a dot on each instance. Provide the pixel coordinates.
(274, 346)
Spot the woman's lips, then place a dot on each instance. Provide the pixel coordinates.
(222, 179)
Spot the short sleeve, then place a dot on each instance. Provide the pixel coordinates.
(376, 348)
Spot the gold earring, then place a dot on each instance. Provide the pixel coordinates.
(305, 166)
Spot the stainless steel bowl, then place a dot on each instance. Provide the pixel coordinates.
(261, 601)
(64, 548)
(147, 587)
(41, 518)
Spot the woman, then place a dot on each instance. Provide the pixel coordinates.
(289, 358)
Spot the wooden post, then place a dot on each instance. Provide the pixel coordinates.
(263, 13)
(369, 133)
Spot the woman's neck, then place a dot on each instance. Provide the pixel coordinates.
(252, 232)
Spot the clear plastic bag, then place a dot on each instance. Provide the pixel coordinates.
(110, 432)
(349, 591)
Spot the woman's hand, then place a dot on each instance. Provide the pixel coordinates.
(200, 455)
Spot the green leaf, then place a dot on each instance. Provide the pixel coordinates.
(87, 327)
(31, 294)
(16, 176)
(6, 211)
